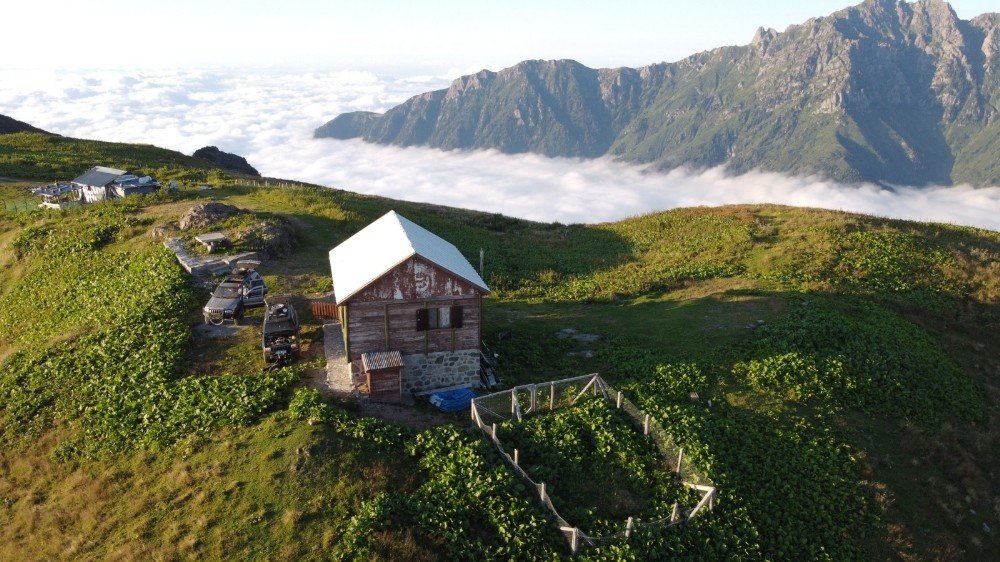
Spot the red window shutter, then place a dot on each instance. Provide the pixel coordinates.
(456, 316)
(423, 319)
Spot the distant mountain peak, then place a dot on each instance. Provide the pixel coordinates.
(884, 91)
(763, 36)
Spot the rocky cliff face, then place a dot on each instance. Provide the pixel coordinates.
(226, 160)
(882, 91)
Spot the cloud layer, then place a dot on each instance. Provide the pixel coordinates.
(269, 118)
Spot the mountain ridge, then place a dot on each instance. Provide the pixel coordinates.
(9, 125)
(885, 91)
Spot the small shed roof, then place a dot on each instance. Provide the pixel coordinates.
(386, 243)
(99, 176)
(381, 360)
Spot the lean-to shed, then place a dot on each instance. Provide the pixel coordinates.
(401, 288)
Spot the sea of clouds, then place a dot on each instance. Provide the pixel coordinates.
(269, 116)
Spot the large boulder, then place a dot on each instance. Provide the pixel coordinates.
(265, 237)
(225, 160)
(207, 214)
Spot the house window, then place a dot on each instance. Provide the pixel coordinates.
(439, 317)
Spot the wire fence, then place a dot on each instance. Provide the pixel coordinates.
(15, 205)
(526, 400)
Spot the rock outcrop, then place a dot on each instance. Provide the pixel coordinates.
(207, 214)
(225, 160)
(267, 238)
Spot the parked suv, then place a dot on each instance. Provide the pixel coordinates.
(243, 288)
(281, 330)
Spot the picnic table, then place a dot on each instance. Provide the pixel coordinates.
(213, 240)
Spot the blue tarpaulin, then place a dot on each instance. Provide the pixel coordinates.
(453, 400)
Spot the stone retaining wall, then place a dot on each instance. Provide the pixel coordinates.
(204, 265)
(441, 369)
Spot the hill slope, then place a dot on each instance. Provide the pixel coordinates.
(10, 125)
(883, 91)
(850, 361)
(44, 157)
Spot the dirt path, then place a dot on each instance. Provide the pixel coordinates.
(337, 381)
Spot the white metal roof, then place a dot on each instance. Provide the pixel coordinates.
(386, 243)
(99, 176)
(108, 170)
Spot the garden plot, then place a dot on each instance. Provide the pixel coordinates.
(594, 459)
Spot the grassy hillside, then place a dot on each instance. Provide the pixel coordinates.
(10, 125)
(851, 363)
(44, 157)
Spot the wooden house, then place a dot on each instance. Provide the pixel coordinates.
(402, 289)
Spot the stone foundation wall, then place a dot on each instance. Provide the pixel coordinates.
(441, 369)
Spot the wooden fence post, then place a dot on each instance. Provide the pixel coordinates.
(645, 425)
(494, 431)
(573, 545)
(516, 457)
(680, 456)
(628, 528)
(618, 402)
(674, 515)
(541, 493)
(552, 396)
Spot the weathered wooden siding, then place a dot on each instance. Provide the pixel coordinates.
(385, 385)
(416, 278)
(385, 326)
(383, 315)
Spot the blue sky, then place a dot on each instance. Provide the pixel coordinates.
(389, 36)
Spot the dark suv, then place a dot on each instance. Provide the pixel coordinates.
(242, 288)
(281, 330)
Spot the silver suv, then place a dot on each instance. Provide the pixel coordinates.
(243, 288)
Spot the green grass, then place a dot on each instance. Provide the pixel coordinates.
(597, 467)
(47, 158)
(96, 338)
(857, 420)
(284, 489)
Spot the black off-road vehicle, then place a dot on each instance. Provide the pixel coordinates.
(281, 330)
